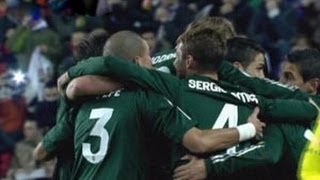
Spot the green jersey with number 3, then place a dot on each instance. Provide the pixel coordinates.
(111, 134)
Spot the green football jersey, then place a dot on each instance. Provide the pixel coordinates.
(56, 144)
(110, 134)
(163, 61)
(264, 87)
(295, 136)
(213, 103)
(182, 91)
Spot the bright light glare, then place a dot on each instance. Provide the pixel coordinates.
(18, 77)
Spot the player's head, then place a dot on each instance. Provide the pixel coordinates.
(219, 24)
(128, 45)
(302, 69)
(221, 28)
(92, 44)
(247, 55)
(199, 50)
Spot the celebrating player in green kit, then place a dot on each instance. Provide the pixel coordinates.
(196, 89)
(101, 151)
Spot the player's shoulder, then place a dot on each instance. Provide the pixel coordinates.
(316, 99)
(279, 84)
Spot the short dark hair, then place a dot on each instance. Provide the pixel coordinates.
(307, 61)
(243, 50)
(205, 45)
(92, 45)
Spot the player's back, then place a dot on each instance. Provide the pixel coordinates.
(109, 139)
(211, 103)
(206, 100)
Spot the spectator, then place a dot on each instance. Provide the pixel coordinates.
(173, 17)
(273, 27)
(5, 22)
(300, 42)
(13, 115)
(69, 59)
(23, 165)
(155, 44)
(34, 33)
(308, 16)
(6, 147)
(46, 110)
(237, 11)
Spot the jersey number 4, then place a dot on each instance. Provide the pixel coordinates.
(103, 115)
(228, 114)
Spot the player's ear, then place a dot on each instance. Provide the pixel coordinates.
(238, 65)
(314, 84)
(137, 60)
(190, 62)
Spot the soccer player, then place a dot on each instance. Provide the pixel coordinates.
(199, 54)
(246, 55)
(302, 69)
(163, 61)
(144, 108)
(92, 45)
(165, 58)
(296, 71)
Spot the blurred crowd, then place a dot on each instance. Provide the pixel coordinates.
(39, 38)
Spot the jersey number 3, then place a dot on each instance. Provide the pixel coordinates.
(103, 115)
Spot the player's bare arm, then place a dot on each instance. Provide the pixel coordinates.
(202, 141)
(85, 85)
(195, 169)
(90, 85)
(39, 153)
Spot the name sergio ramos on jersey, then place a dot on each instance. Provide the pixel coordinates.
(213, 87)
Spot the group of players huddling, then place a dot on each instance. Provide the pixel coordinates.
(201, 111)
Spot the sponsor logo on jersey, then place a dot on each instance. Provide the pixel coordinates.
(164, 57)
(213, 87)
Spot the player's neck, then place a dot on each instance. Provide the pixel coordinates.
(213, 76)
(210, 74)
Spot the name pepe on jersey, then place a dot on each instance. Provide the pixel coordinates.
(213, 87)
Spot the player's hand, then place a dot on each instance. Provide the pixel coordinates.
(253, 118)
(62, 82)
(194, 170)
(39, 153)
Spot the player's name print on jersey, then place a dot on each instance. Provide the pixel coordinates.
(213, 87)
(164, 57)
(115, 93)
(205, 86)
(245, 97)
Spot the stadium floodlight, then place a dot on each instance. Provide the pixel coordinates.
(18, 77)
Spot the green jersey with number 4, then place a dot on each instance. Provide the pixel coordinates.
(213, 103)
